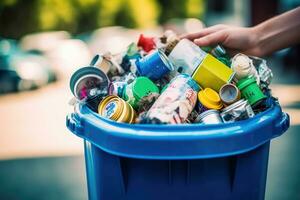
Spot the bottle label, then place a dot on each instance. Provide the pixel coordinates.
(110, 109)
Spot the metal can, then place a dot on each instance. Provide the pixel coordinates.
(138, 89)
(229, 94)
(155, 65)
(210, 117)
(264, 72)
(115, 108)
(251, 91)
(177, 101)
(208, 99)
(240, 110)
(89, 85)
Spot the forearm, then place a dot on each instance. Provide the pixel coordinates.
(279, 32)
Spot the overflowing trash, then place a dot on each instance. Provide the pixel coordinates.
(168, 80)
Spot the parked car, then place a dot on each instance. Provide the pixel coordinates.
(21, 70)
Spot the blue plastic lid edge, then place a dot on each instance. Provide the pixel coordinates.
(175, 142)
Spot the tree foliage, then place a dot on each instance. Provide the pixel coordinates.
(18, 17)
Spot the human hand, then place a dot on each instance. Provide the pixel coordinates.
(234, 39)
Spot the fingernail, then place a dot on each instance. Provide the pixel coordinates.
(197, 40)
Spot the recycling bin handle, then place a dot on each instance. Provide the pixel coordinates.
(74, 123)
(282, 124)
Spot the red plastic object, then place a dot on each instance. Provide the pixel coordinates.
(147, 43)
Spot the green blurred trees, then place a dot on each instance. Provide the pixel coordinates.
(18, 17)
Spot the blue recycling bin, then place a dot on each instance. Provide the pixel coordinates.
(177, 162)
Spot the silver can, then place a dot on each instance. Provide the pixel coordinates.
(229, 94)
(210, 117)
(240, 110)
(264, 72)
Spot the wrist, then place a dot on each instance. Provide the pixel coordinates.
(257, 41)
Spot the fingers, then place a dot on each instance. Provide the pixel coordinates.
(203, 32)
(212, 39)
(232, 52)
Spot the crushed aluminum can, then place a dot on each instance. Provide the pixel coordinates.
(264, 72)
(175, 104)
(238, 111)
(210, 117)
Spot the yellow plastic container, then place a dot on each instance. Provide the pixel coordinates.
(211, 73)
(210, 99)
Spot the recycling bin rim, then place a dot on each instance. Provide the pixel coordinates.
(183, 141)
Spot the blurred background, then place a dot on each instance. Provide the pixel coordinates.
(43, 41)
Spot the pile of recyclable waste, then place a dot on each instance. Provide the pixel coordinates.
(168, 80)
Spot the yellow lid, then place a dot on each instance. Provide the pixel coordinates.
(210, 99)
